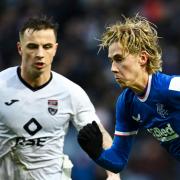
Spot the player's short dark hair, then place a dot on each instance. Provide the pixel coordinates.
(39, 23)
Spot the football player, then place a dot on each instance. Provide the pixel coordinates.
(150, 99)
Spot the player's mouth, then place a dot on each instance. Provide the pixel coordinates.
(117, 78)
(39, 65)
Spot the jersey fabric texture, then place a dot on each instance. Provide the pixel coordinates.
(158, 112)
(34, 122)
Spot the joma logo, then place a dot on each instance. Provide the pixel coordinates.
(163, 134)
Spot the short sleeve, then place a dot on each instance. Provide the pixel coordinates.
(84, 109)
(125, 126)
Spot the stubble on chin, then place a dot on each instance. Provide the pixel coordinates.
(35, 73)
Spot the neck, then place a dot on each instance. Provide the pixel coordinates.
(140, 84)
(35, 79)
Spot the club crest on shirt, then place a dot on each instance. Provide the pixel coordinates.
(52, 106)
(161, 110)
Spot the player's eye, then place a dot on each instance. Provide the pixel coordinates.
(118, 58)
(32, 46)
(47, 46)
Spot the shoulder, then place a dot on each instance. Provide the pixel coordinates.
(161, 85)
(8, 71)
(8, 74)
(165, 82)
(127, 94)
(161, 80)
(126, 97)
(175, 83)
(66, 84)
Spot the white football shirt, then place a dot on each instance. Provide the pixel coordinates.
(34, 122)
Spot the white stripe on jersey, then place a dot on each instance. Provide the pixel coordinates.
(175, 84)
(147, 91)
(118, 133)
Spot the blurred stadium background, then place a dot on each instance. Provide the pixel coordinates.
(81, 23)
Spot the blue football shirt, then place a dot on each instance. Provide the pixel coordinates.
(158, 111)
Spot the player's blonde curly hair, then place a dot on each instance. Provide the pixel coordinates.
(135, 35)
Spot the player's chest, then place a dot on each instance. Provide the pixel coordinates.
(154, 109)
(158, 119)
(31, 114)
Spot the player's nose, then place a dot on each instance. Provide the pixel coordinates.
(40, 52)
(114, 68)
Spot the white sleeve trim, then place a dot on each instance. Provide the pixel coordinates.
(118, 133)
(175, 84)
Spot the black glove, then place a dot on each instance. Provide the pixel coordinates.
(90, 140)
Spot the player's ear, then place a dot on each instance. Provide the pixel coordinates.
(19, 48)
(143, 58)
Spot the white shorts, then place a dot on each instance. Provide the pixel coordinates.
(11, 170)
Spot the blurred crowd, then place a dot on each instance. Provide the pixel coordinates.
(81, 24)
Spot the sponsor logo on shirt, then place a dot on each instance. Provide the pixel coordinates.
(164, 134)
(32, 126)
(22, 141)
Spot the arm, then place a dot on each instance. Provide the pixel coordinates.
(116, 157)
(84, 114)
(107, 142)
(113, 159)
